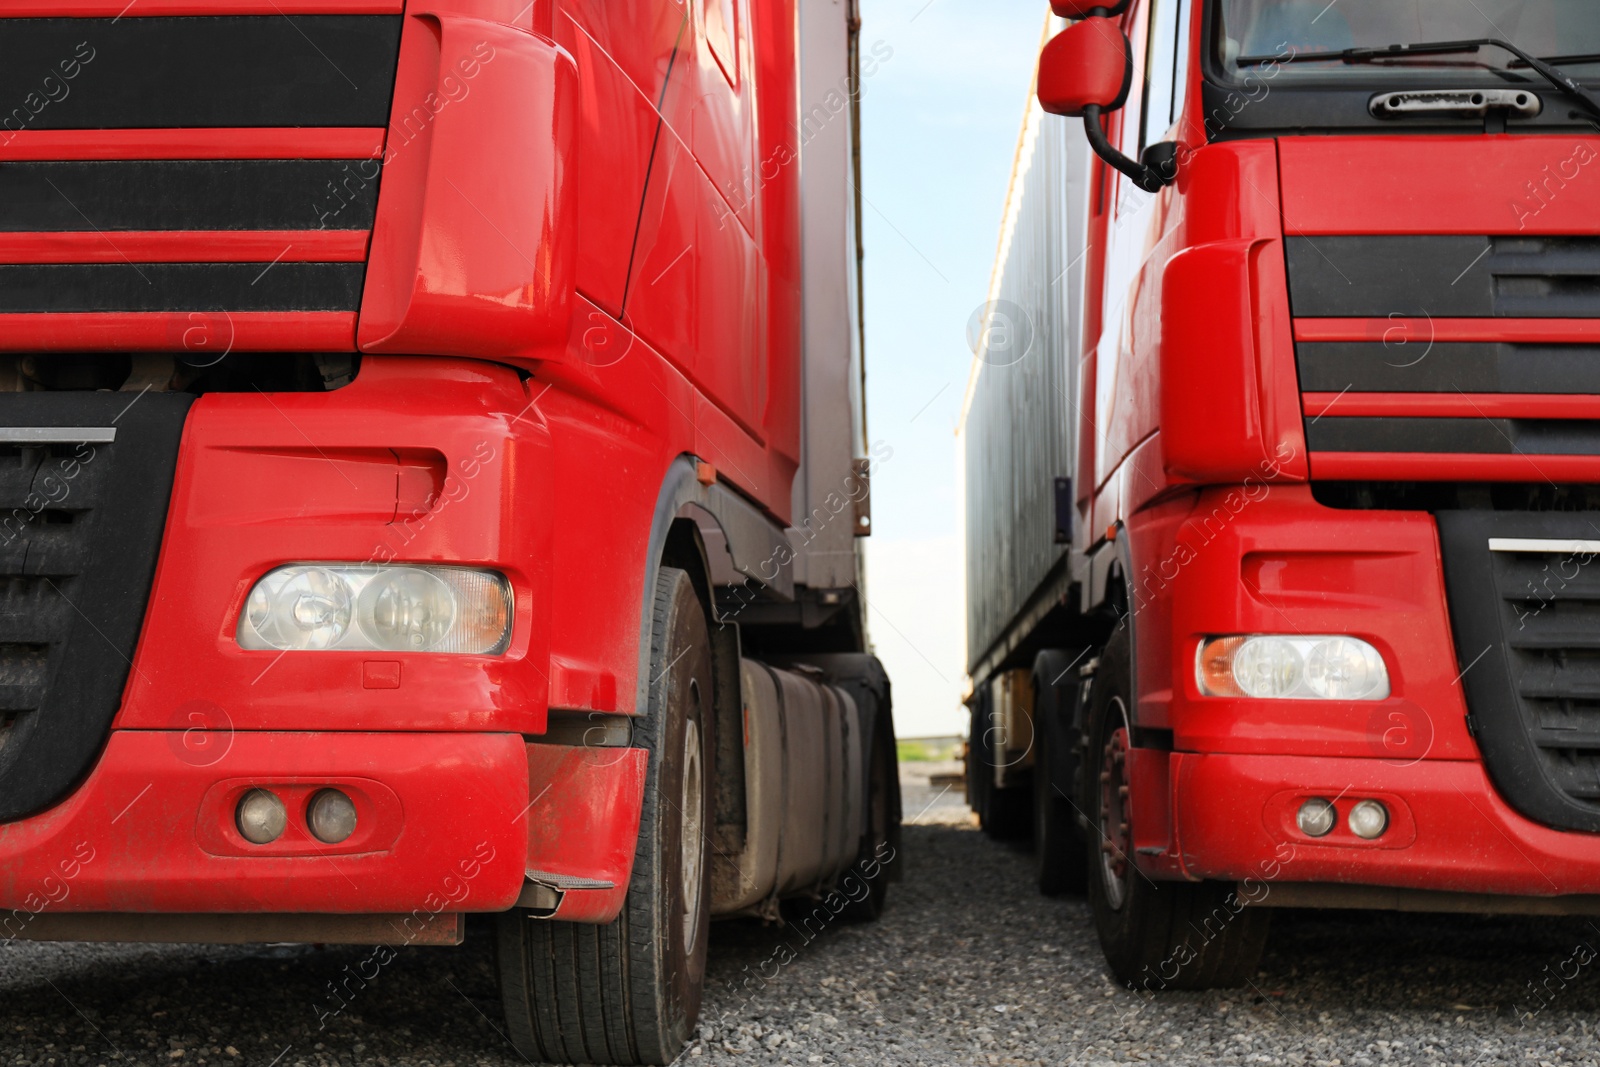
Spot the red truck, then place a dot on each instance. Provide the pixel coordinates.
(1282, 470)
(434, 463)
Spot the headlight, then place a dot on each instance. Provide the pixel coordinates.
(1269, 666)
(356, 608)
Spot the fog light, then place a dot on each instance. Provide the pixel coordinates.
(332, 816)
(261, 817)
(1316, 817)
(1369, 819)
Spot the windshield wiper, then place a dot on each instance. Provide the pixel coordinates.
(1584, 57)
(1556, 77)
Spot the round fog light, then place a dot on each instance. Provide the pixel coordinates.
(1369, 819)
(332, 817)
(1316, 817)
(261, 817)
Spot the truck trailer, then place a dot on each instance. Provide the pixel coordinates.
(434, 469)
(1281, 461)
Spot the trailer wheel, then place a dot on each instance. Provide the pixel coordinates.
(629, 992)
(1004, 814)
(1058, 853)
(977, 774)
(1155, 935)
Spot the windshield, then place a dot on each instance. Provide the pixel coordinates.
(1567, 30)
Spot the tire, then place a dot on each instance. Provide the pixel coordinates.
(629, 992)
(871, 866)
(979, 776)
(1003, 814)
(1155, 935)
(1058, 849)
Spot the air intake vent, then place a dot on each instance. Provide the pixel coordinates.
(1524, 595)
(82, 506)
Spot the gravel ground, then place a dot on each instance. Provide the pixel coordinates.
(968, 966)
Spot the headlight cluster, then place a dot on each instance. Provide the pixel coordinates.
(391, 608)
(1269, 666)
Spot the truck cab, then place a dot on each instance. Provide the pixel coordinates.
(432, 464)
(1279, 533)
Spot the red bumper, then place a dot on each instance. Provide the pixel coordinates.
(1449, 830)
(441, 827)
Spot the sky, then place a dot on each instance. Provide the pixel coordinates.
(940, 119)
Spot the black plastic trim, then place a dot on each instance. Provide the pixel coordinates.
(228, 71)
(106, 287)
(1418, 366)
(1492, 615)
(228, 194)
(80, 587)
(1444, 276)
(1475, 436)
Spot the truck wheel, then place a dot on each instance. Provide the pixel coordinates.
(629, 992)
(1058, 853)
(866, 884)
(979, 778)
(1004, 814)
(1166, 935)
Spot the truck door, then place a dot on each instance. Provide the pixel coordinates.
(694, 290)
(1126, 409)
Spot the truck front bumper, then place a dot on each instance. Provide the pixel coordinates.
(441, 827)
(1448, 829)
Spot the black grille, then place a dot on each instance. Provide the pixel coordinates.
(175, 194)
(1448, 367)
(87, 287)
(1479, 436)
(147, 72)
(1526, 612)
(80, 529)
(1444, 277)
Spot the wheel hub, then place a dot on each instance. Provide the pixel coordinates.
(1116, 841)
(693, 832)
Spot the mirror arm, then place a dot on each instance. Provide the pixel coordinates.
(1148, 178)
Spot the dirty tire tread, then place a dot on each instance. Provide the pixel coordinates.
(584, 992)
(645, 1005)
(514, 985)
(612, 987)
(580, 993)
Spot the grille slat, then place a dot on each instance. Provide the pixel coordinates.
(1551, 686)
(1557, 642)
(1575, 740)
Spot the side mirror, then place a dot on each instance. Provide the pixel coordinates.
(1087, 69)
(1088, 64)
(1082, 9)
